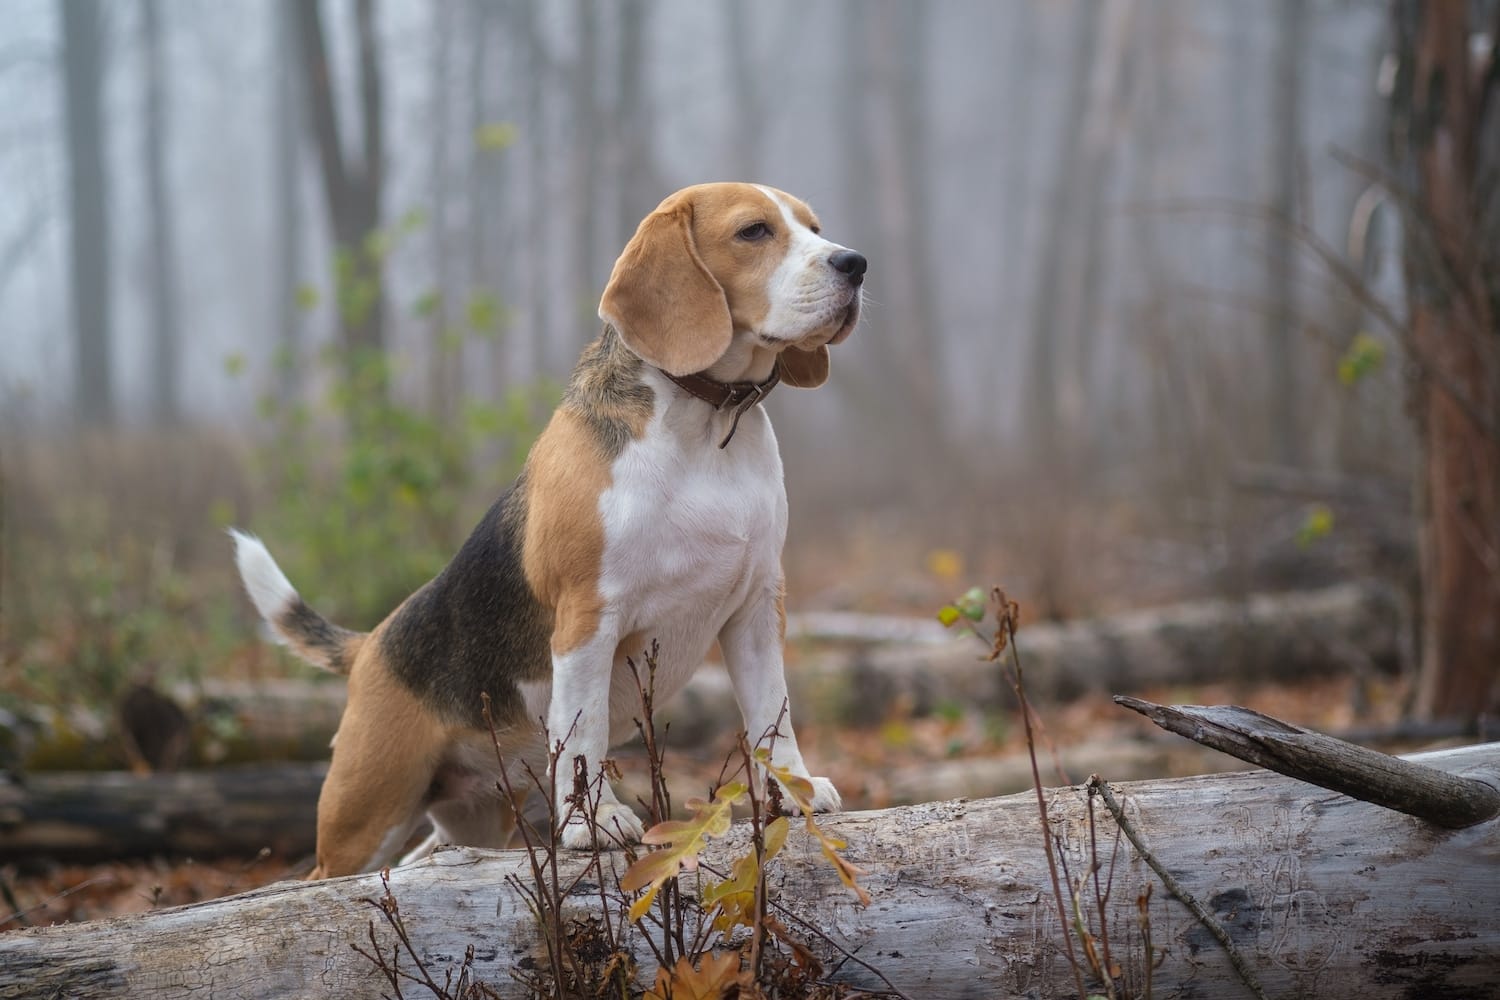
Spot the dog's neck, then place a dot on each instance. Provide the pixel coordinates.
(736, 397)
(746, 361)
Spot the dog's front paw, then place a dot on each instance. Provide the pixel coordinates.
(616, 824)
(825, 798)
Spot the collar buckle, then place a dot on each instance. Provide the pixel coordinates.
(738, 395)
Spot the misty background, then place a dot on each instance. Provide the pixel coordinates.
(1126, 332)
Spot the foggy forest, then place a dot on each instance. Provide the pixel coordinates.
(1179, 329)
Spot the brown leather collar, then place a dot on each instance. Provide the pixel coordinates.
(740, 396)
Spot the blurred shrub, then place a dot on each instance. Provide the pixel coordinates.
(372, 496)
(114, 567)
(101, 581)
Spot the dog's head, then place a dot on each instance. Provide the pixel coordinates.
(720, 261)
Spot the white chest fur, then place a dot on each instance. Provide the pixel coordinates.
(691, 532)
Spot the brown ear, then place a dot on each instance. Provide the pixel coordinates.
(663, 301)
(804, 369)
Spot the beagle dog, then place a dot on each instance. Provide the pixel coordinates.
(650, 508)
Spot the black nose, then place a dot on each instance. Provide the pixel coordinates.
(850, 263)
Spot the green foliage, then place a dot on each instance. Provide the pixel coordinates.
(1363, 357)
(1316, 524)
(494, 136)
(971, 606)
(373, 494)
(99, 605)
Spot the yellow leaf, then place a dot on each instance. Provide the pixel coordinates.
(775, 836)
(945, 564)
(640, 906)
(681, 840)
(718, 976)
(800, 790)
(667, 831)
(654, 868)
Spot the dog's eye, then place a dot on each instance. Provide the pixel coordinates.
(816, 230)
(754, 231)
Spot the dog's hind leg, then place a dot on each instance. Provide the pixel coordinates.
(385, 759)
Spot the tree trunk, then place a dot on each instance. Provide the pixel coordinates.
(589, 269)
(1317, 893)
(83, 67)
(285, 127)
(1283, 319)
(166, 342)
(1456, 349)
(632, 123)
(541, 194)
(749, 121)
(1044, 417)
(352, 187)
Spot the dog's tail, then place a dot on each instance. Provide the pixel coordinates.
(290, 620)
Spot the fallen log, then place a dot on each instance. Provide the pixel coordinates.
(1423, 792)
(1271, 637)
(883, 662)
(1319, 895)
(87, 816)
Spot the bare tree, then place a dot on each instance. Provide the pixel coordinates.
(166, 341)
(444, 362)
(640, 189)
(286, 151)
(1448, 136)
(1282, 323)
(83, 59)
(1043, 397)
(351, 185)
(536, 69)
(587, 152)
(884, 83)
(745, 95)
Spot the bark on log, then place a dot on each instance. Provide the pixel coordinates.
(1322, 895)
(92, 815)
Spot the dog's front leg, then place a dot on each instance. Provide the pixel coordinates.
(578, 719)
(752, 643)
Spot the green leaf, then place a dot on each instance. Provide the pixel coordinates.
(1317, 524)
(426, 304)
(377, 245)
(411, 220)
(493, 136)
(1364, 356)
(484, 312)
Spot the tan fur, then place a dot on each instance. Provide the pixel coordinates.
(804, 369)
(684, 283)
(663, 299)
(387, 749)
(564, 550)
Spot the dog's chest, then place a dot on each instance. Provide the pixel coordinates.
(689, 528)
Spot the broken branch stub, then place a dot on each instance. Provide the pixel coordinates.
(1448, 800)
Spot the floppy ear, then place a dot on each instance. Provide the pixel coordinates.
(804, 369)
(663, 301)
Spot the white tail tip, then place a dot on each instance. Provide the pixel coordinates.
(269, 589)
